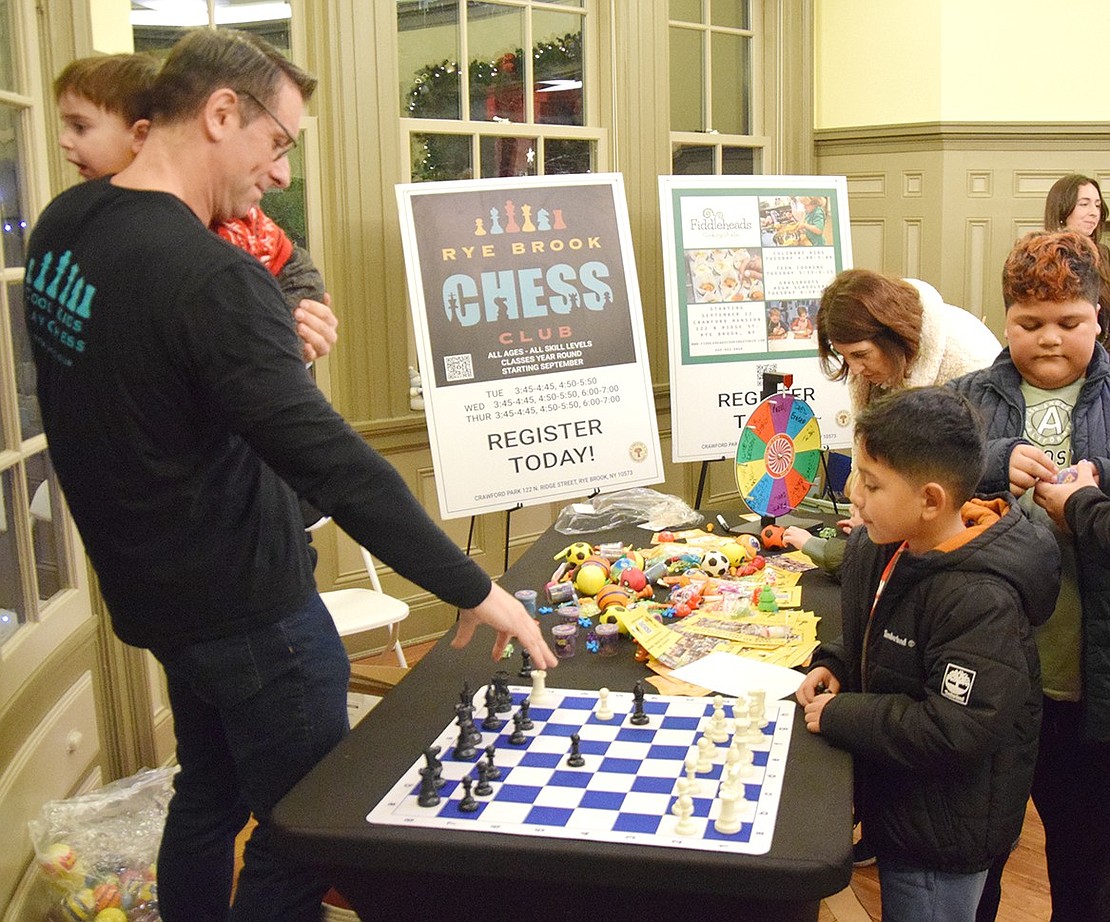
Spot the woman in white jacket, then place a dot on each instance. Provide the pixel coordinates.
(884, 333)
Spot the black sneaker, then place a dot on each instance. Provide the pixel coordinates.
(863, 855)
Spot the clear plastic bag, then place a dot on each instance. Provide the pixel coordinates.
(98, 851)
(638, 506)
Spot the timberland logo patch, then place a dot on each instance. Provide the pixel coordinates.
(957, 682)
(888, 634)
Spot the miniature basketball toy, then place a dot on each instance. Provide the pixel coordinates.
(778, 456)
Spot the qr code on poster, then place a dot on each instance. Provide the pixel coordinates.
(458, 367)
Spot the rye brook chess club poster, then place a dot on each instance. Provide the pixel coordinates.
(745, 259)
(530, 339)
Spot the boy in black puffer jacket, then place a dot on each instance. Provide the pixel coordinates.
(934, 686)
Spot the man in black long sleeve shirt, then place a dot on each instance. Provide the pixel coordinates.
(182, 425)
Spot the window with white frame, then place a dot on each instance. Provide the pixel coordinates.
(498, 88)
(715, 110)
(43, 590)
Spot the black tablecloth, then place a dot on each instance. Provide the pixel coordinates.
(390, 872)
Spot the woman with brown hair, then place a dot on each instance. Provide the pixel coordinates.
(1075, 203)
(883, 333)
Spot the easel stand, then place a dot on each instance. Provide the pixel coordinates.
(508, 529)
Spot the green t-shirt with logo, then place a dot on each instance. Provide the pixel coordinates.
(1048, 426)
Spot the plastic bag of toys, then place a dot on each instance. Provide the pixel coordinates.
(97, 851)
(638, 505)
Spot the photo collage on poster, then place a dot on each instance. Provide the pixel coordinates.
(774, 282)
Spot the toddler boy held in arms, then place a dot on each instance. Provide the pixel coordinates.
(934, 686)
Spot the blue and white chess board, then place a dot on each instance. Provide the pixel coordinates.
(625, 790)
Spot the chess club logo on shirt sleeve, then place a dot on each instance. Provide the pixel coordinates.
(957, 682)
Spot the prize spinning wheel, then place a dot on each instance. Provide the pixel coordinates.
(778, 455)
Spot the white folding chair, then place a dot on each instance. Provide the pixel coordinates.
(356, 611)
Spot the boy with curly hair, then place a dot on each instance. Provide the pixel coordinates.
(1046, 404)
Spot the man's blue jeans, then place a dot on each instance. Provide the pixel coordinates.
(253, 713)
(919, 895)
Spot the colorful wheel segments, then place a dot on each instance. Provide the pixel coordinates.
(778, 455)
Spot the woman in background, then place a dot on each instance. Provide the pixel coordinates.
(884, 333)
(1075, 203)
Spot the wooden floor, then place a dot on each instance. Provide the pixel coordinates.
(1024, 883)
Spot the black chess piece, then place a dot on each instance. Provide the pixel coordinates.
(638, 716)
(525, 664)
(504, 696)
(464, 746)
(466, 699)
(491, 721)
(428, 796)
(483, 788)
(431, 757)
(492, 771)
(468, 726)
(575, 759)
(468, 804)
(525, 721)
(517, 738)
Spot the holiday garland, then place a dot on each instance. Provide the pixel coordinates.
(435, 91)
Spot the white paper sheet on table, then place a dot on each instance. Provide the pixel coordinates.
(734, 675)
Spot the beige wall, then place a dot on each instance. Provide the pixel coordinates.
(945, 202)
(880, 62)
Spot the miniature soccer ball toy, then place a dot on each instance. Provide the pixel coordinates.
(735, 554)
(609, 616)
(772, 536)
(576, 553)
(715, 563)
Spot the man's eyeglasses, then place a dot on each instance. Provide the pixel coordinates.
(284, 148)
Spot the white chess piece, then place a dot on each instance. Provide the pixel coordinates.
(685, 810)
(728, 822)
(683, 787)
(744, 758)
(693, 786)
(757, 709)
(539, 685)
(718, 728)
(603, 712)
(754, 734)
(707, 752)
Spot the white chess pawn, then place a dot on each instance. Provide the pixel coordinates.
(718, 728)
(603, 712)
(706, 753)
(732, 759)
(685, 810)
(693, 786)
(683, 787)
(728, 822)
(744, 758)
